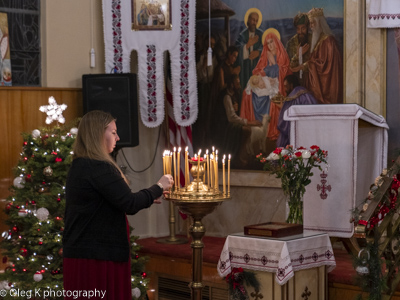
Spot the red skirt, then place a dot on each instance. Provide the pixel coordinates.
(99, 279)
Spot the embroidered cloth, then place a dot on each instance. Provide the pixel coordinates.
(120, 40)
(384, 14)
(356, 140)
(281, 256)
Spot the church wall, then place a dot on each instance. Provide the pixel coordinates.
(66, 42)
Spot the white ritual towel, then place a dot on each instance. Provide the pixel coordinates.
(120, 40)
(383, 14)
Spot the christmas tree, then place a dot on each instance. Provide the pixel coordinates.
(32, 246)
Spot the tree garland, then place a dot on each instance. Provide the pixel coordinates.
(237, 281)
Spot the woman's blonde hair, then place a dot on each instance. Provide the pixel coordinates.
(89, 142)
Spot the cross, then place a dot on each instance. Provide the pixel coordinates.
(256, 295)
(306, 294)
(324, 187)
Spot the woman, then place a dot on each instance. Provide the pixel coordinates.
(96, 245)
(274, 64)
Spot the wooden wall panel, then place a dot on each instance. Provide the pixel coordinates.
(19, 112)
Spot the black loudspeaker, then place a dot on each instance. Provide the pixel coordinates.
(117, 95)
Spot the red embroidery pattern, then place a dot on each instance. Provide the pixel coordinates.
(323, 187)
(383, 16)
(184, 60)
(117, 35)
(151, 84)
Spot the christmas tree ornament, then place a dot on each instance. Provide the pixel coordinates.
(60, 252)
(4, 234)
(23, 252)
(22, 212)
(50, 257)
(38, 276)
(53, 111)
(58, 159)
(42, 214)
(362, 269)
(36, 133)
(43, 190)
(4, 285)
(28, 177)
(8, 208)
(40, 241)
(73, 131)
(48, 171)
(136, 293)
(19, 182)
(15, 229)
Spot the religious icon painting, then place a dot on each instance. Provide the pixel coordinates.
(5, 61)
(266, 56)
(151, 15)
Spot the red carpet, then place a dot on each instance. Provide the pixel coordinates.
(343, 273)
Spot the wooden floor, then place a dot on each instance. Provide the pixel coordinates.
(170, 277)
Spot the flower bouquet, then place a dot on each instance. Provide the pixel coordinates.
(293, 167)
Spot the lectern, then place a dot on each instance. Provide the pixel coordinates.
(356, 140)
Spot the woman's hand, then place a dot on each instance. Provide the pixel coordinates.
(166, 182)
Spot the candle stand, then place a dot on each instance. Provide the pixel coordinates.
(197, 200)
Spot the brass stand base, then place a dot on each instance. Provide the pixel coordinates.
(175, 241)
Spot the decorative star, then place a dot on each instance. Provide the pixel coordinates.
(53, 111)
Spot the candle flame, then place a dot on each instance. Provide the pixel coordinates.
(179, 149)
(229, 156)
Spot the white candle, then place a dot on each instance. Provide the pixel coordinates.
(229, 175)
(186, 167)
(223, 176)
(174, 162)
(179, 168)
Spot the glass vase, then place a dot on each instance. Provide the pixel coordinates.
(295, 215)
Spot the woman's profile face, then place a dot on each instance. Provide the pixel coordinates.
(271, 44)
(110, 137)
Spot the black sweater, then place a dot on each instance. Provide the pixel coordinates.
(97, 199)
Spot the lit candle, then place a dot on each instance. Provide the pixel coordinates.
(198, 169)
(179, 168)
(163, 162)
(186, 166)
(211, 171)
(229, 175)
(205, 171)
(174, 163)
(216, 172)
(208, 168)
(223, 176)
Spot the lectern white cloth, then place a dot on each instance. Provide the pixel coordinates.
(356, 140)
(281, 256)
(384, 14)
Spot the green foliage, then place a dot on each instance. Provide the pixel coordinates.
(374, 282)
(32, 246)
(237, 281)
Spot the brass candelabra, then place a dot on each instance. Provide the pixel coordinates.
(197, 200)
